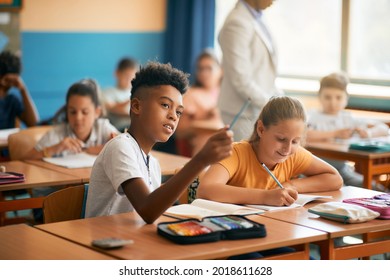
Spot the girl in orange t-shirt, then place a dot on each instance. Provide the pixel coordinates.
(275, 142)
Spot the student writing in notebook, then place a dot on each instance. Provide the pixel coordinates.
(125, 177)
(333, 122)
(83, 130)
(275, 141)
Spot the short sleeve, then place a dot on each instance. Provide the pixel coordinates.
(231, 163)
(120, 162)
(301, 160)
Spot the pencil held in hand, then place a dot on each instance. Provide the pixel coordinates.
(273, 176)
(243, 108)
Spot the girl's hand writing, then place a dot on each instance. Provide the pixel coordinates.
(280, 197)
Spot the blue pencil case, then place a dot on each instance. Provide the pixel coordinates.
(211, 229)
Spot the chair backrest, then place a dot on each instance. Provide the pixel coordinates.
(65, 204)
(189, 194)
(23, 141)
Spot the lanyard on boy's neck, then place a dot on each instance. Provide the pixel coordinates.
(145, 158)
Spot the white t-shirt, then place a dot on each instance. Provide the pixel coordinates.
(100, 134)
(120, 160)
(317, 120)
(325, 122)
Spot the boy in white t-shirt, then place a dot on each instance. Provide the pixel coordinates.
(125, 177)
(333, 122)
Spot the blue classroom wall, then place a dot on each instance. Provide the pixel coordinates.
(53, 61)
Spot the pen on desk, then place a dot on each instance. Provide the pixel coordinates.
(246, 104)
(272, 175)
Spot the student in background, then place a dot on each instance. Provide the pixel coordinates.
(125, 177)
(333, 122)
(200, 103)
(117, 99)
(11, 107)
(82, 131)
(61, 117)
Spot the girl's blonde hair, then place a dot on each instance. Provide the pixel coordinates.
(279, 108)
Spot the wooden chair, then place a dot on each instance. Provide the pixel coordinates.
(65, 204)
(23, 141)
(189, 194)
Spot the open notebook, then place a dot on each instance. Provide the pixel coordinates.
(73, 161)
(301, 201)
(201, 208)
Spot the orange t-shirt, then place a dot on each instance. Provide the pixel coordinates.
(246, 171)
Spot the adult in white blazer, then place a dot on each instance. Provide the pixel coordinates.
(249, 65)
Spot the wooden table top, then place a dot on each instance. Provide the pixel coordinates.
(36, 176)
(82, 173)
(22, 242)
(341, 148)
(301, 216)
(149, 245)
(169, 163)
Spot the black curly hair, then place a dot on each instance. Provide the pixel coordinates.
(158, 74)
(9, 63)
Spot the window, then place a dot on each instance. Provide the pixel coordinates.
(315, 38)
(369, 44)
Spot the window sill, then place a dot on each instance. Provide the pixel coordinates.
(310, 87)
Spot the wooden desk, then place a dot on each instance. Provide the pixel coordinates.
(300, 216)
(370, 163)
(35, 177)
(82, 174)
(22, 242)
(149, 245)
(4, 133)
(169, 163)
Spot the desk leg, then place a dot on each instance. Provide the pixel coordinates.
(2, 214)
(367, 173)
(326, 249)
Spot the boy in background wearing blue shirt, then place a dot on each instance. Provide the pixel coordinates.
(11, 107)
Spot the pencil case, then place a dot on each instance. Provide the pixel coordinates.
(346, 213)
(11, 177)
(211, 229)
(371, 146)
(379, 203)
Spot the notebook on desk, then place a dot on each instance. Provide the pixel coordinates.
(73, 161)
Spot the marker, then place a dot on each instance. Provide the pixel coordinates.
(246, 104)
(272, 175)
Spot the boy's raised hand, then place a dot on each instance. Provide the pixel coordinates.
(217, 147)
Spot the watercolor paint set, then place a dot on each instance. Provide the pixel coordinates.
(211, 229)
